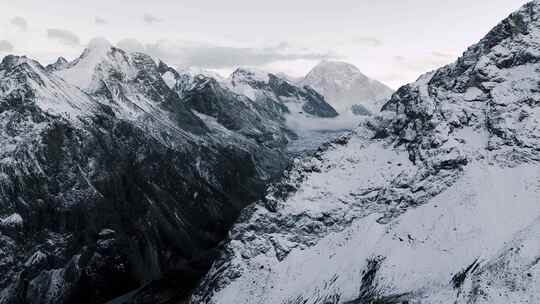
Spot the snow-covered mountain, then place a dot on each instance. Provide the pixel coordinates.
(434, 200)
(113, 179)
(263, 87)
(303, 110)
(59, 64)
(120, 173)
(345, 87)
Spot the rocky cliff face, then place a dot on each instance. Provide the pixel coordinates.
(435, 200)
(113, 182)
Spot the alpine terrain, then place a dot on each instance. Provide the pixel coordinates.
(119, 175)
(434, 200)
(346, 88)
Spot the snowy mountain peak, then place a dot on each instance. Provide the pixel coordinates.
(249, 75)
(262, 86)
(344, 86)
(59, 64)
(194, 71)
(19, 72)
(61, 60)
(82, 71)
(11, 61)
(22, 77)
(338, 70)
(96, 50)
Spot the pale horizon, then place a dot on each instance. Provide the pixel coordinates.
(387, 41)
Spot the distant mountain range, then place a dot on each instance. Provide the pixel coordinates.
(342, 85)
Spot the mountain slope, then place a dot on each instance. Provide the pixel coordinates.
(111, 183)
(434, 200)
(344, 86)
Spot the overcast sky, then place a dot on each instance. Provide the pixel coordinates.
(391, 40)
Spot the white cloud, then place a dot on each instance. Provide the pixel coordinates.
(20, 22)
(5, 46)
(368, 41)
(131, 45)
(148, 18)
(220, 57)
(64, 36)
(100, 21)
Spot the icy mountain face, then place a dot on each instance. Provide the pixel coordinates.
(265, 88)
(194, 71)
(132, 85)
(183, 79)
(59, 64)
(434, 200)
(111, 181)
(96, 58)
(23, 78)
(344, 86)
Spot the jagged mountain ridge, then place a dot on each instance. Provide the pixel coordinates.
(115, 180)
(268, 102)
(435, 200)
(346, 88)
(262, 86)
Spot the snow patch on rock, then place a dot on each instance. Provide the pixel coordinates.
(14, 220)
